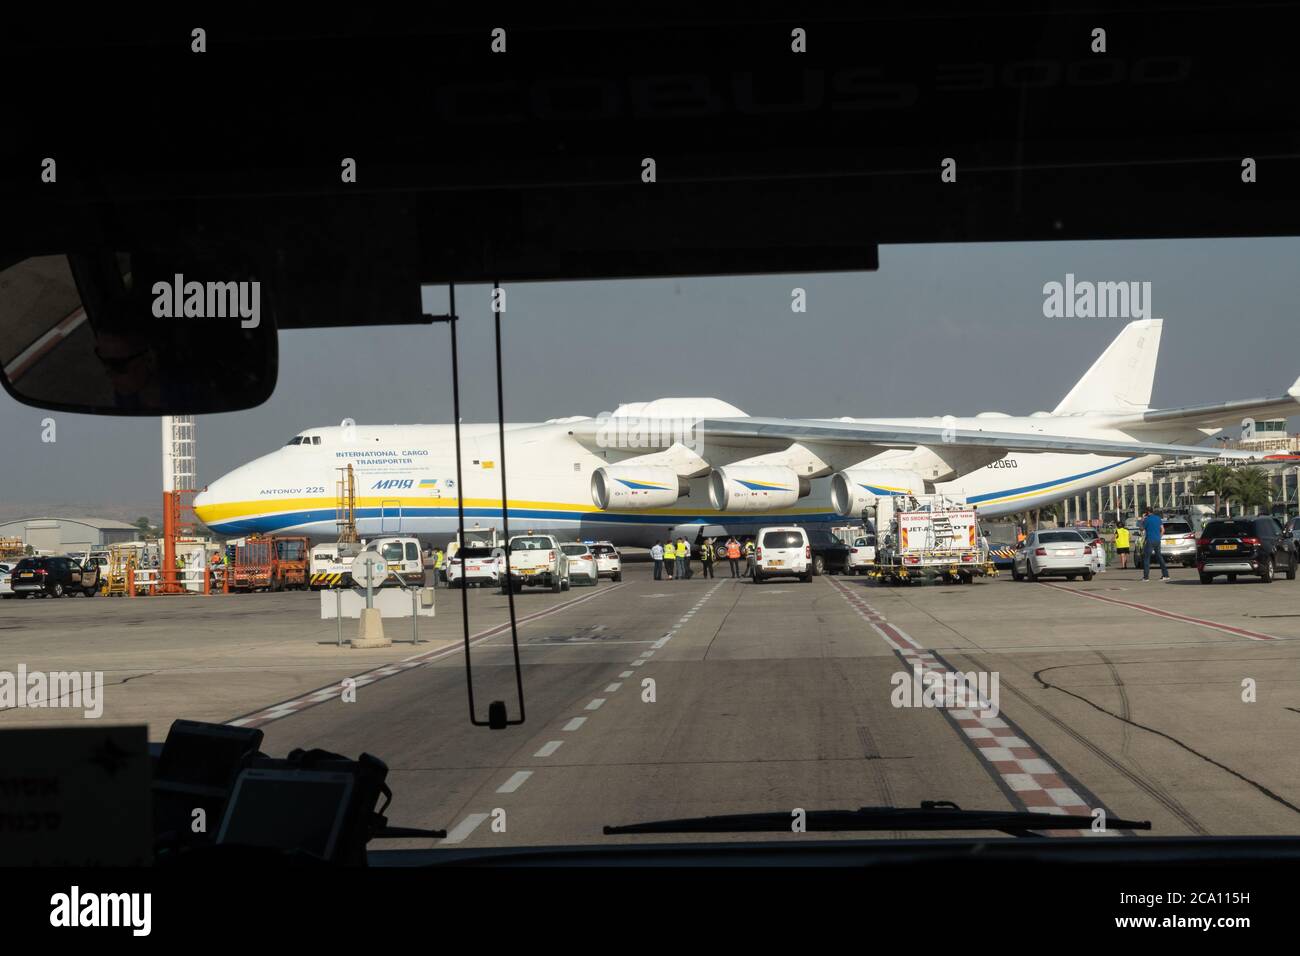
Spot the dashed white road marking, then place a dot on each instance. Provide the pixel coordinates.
(515, 782)
(595, 704)
(613, 687)
(575, 723)
(549, 748)
(625, 674)
(463, 829)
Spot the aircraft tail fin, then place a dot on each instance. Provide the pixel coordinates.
(1121, 378)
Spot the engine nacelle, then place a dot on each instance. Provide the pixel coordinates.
(755, 488)
(853, 490)
(623, 487)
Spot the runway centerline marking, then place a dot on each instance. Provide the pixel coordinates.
(549, 748)
(317, 696)
(463, 829)
(515, 782)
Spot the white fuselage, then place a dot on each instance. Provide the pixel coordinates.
(406, 483)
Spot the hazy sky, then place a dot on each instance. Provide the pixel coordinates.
(939, 329)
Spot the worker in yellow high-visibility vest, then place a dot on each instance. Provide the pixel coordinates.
(1122, 545)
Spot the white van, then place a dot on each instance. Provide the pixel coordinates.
(405, 564)
(782, 550)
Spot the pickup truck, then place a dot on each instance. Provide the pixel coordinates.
(536, 560)
(54, 577)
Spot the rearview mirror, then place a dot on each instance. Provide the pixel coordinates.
(135, 334)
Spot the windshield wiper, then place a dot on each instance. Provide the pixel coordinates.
(932, 815)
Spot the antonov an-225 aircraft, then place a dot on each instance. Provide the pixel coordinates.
(678, 466)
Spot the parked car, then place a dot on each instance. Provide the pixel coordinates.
(58, 576)
(1178, 542)
(1060, 552)
(1255, 546)
(862, 554)
(5, 589)
(608, 560)
(830, 555)
(481, 568)
(582, 563)
(1092, 537)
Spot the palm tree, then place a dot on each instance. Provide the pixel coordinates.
(1251, 488)
(1215, 480)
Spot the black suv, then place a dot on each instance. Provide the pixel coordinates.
(829, 553)
(53, 577)
(1258, 545)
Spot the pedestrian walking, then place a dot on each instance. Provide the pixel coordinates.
(657, 556)
(1122, 544)
(1152, 527)
(749, 557)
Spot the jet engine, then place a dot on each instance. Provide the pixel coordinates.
(855, 489)
(622, 487)
(755, 488)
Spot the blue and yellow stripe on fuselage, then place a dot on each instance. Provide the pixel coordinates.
(268, 515)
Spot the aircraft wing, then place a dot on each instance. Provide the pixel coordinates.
(773, 434)
(1220, 415)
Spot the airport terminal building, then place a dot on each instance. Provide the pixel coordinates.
(65, 535)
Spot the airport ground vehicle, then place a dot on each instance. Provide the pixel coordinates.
(1002, 554)
(1178, 542)
(783, 551)
(537, 560)
(58, 576)
(1256, 546)
(1061, 552)
(582, 563)
(930, 537)
(405, 564)
(481, 568)
(270, 564)
(331, 565)
(608, 560)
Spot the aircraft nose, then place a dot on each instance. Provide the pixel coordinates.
(208, 501)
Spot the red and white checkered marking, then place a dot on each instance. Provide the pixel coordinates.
(334, 691)
(1021, 766)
